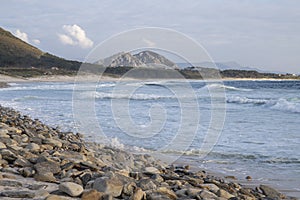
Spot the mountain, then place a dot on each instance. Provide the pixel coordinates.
(17, 55)
(142, 59)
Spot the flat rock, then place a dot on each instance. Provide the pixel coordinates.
(72, 189)
(10, 183)
(45, 177)
(52, 142)
(47, 166)
(18, 194)
(151, 170)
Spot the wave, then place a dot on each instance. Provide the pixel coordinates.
(25, 98)
(286, 105)
(245, 100)
(105, 95)
(226, 87)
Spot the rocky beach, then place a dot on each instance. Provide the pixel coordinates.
(41, 162)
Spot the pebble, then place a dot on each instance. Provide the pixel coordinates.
(48, 160)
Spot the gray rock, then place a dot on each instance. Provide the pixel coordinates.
(270, 192)
(208, 195)
(111, 186)
(52, 142)
(33, 147)
(167, 192)
(8, 155)
(18, 194)
(47, 166)
(151, 170)
(139, 194)
(211, 187)
(146, 184)
(224, 194)
(22, 162)
(193, 192)
(45, 177)
(10, 183)
(92, 195)
(72, 189)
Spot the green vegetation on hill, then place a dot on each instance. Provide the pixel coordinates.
(16, 57)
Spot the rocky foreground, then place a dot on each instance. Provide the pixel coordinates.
(40, 162)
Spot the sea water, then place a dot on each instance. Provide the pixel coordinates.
(260, 136)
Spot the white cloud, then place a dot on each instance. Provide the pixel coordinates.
(36, 41)
(75, 36)
(23, 36)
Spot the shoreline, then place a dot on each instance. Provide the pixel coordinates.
(38, 161)
(94, 78)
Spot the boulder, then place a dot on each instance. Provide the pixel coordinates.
(72, 189)
(270, 192)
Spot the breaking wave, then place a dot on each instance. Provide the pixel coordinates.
(286, 105)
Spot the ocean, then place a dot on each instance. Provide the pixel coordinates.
(255, 124)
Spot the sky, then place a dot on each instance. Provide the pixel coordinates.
(257, 33)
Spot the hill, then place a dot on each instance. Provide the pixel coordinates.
(19, 58)
(148, 59)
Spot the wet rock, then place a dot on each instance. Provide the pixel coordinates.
(270, 192)
(71, 189)
(111, 186)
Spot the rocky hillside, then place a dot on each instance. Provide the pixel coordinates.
(141, 59)
(16, 55)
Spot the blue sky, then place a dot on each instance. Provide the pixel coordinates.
(257, 33)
